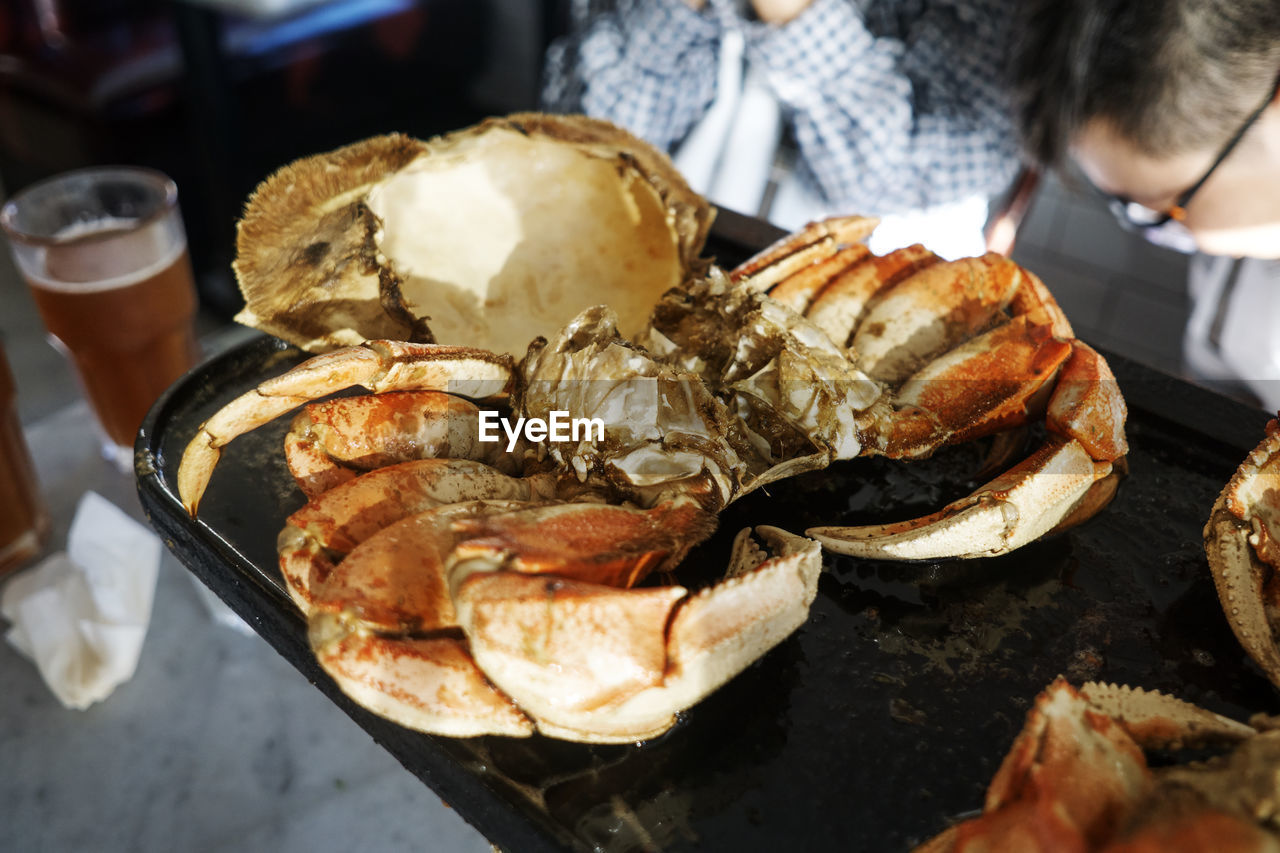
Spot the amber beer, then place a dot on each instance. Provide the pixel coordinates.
(130, 336)
(23, 520)
(105, 255)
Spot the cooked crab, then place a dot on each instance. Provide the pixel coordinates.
(457, 599)
(673, 454)
(739, 379)
(1076, 779)
(1242, 540)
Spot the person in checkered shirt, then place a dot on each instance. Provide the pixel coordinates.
(891, 106)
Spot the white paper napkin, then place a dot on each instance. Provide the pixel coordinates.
(81, 615)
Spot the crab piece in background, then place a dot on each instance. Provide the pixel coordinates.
(905, 354)
(442, 241)
(1242, 541)
(1077, 779)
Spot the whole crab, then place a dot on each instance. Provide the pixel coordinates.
(461, 590)
(1077, 779)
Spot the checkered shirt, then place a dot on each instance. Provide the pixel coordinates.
(893, 105)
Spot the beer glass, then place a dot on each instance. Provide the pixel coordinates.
(105, 255)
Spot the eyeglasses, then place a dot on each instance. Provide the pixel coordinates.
(1165, 227)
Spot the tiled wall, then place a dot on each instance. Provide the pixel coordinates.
(1120, 292)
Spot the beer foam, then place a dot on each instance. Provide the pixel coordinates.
(76, 230)
(87, 259)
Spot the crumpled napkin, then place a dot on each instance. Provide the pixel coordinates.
(81, 615)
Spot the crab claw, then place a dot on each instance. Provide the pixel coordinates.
(1067, 784)
(377, 365)
(1242, 541)
(382, 624)
(1021, 505)
(1075, 756)
(605, 665)
(429, 684)
(1076, 778)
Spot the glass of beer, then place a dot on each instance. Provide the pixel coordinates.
(105, 255)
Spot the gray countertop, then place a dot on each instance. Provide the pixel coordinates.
(215, 744)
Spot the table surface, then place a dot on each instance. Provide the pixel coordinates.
(883, 717)
(215, 744)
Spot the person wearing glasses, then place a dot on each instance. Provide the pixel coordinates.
(1171, 110)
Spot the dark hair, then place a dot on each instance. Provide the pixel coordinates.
(1169, 75)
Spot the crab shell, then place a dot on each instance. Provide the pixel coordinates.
(1077, 779)
(1242, 541)
(472, 219)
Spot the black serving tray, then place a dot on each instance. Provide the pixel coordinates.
(876, 724)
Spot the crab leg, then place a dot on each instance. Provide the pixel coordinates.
(838, 307)
(332, 442)
(1034, 300)
(606, 665)
(1015, 508)
(927, 313)
(998, 381)
(320, 534)
(1087, 405)
(1242, 540)
(797, 290)
(981, 387)
(377, 365)
(816, 242)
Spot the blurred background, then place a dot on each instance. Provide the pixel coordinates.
(219, 93)
(217, 743)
